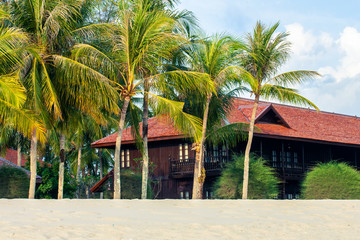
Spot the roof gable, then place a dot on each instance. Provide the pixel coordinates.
(271, 116)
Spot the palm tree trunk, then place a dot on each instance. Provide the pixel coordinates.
(117, 186)
(145, 165)
(199, 171)
(61, 167)
(78, 164)
(248, 147)
(33, 150)
(101, 170)
(19, 152)
(78, 172)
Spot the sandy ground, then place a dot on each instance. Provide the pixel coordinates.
(179, 219)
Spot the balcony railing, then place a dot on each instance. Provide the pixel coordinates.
(186, 166)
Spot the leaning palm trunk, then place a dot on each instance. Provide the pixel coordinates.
(117, 187)
(19, 153)
(248, 147)
(78, 172)
(33, 150)
(78, 164)
(199, 170)
(61, 167)
(145, 166)
(101, 170)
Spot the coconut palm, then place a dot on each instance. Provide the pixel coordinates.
(49, 25)
(13, 42)
(185, 23)
(212, 57)
(265, 51)
(141, 37)
(42, 21)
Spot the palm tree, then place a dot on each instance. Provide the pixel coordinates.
(141, 36)
(213, 58)
(265, 51)
(13, 42)
(48, 25)
(185, 22)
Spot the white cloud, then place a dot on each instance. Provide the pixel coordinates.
(348, 63)
(302, 43)
(337, 59)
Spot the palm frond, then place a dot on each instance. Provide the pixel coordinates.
(229, 134)
(294, 77)
(85, 86)
(284, 94)
(189, 125)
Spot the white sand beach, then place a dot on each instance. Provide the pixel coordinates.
(179, 219)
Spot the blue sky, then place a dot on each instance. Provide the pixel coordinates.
(325, 37)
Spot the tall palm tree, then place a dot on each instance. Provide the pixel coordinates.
(49, 25)
(13, 43)
(141, 37)
(185, 23)
(213, 58)
(265, 51)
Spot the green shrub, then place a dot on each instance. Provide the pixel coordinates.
(331, 181)
(48, 188)
(263, 183)
(14, 183)
(131, 185)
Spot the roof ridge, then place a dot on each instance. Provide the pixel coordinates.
(298, 107)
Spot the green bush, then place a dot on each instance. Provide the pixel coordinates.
(131, 185)
(14, 183)
(48, 188)
(331, 181)
(263, 183)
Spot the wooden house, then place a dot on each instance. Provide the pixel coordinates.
(291, 139)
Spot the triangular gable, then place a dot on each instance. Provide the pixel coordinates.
(270, 115)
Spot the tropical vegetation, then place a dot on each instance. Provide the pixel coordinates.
(263, 183)
(263, 52)
(14, 182)
(331, 180)
(72, 72)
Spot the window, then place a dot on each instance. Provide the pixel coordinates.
(209, 194)
(215, 154)
(180, 152)
(125, 162)
(274, 159)
(223, 155)
(291, 159)
(185, 195)
(127, 158)
(296, 162)
(184, 152)
(122, 158)
(288, 160)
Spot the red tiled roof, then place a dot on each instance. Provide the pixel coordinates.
(160, 128)
(306, 124)
(11, 155)
(302, 123)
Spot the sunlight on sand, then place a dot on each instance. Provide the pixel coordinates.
(179, 219)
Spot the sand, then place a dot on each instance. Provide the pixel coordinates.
(179, 219)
